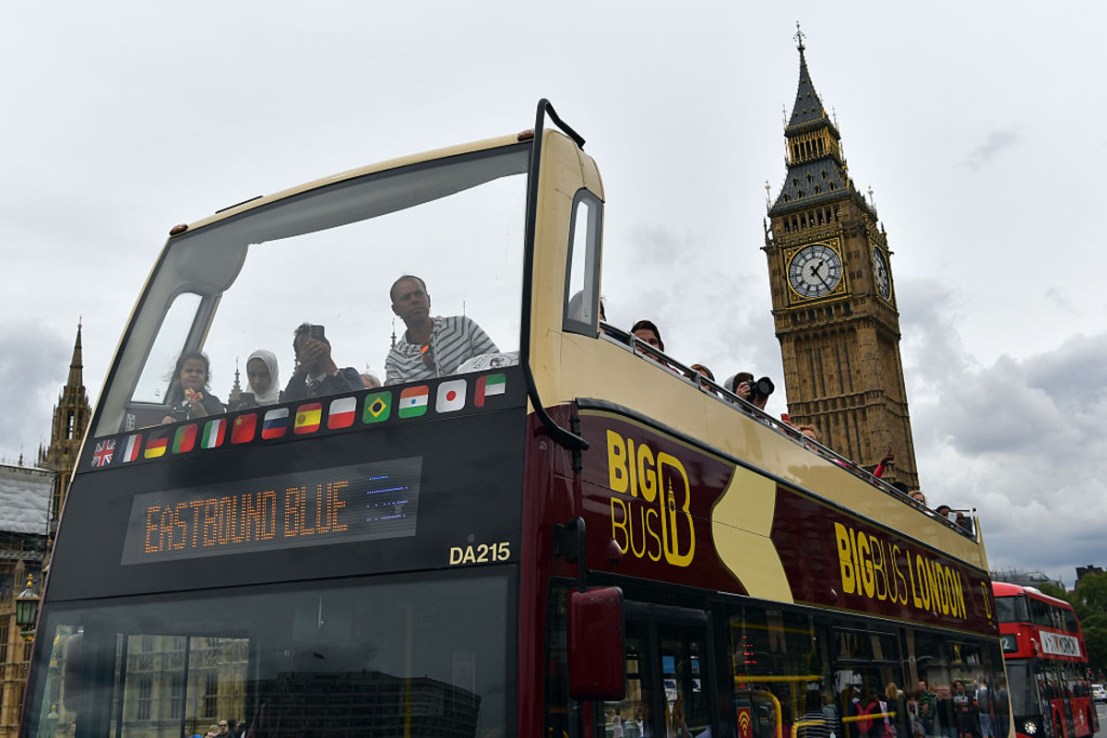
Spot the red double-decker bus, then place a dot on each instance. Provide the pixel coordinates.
(1047, 663)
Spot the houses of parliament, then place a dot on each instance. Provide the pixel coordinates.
(835, 314)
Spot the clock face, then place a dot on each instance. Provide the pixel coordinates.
(880, 275)
(815, 270)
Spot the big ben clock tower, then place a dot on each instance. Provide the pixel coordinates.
(834, 300)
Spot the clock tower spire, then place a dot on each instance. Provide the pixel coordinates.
(834, 303)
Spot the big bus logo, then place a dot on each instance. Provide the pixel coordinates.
(649, 510)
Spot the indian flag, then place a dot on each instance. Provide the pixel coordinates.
(343, 412)
(413, 401)
(488, 386)
(214, 430)
(308, 418)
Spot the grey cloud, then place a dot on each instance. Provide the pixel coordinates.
(996, 143)
(33, 369)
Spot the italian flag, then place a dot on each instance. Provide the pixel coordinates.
(214, 431)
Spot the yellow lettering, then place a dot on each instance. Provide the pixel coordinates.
(845, 559)
(675, 513)
(647, 479)
(616, 463)
(619, 530)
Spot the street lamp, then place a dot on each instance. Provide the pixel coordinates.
(26, 609)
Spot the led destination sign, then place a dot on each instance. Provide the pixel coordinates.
(360, 502)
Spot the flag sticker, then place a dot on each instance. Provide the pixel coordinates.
(134, 445)
(378, 406)
(244, 427)
(308, 418)
(101, 455)
(214, 430)
(489, 386)
(275, 424)
(413, 401)
(343, 412)
(185, 439)
(451, 396)
(156, 447)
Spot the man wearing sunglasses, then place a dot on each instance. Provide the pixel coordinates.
(431, 346)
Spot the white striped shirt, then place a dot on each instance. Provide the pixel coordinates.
(453, 340)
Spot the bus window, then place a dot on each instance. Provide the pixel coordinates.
(682, 676)
(328, 257)
(630, 717)
(324, 659)
(172, 336)
(582, 293)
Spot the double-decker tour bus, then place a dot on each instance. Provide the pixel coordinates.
(537, 526)
(1047, 664)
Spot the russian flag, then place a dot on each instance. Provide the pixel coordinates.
(343, 412)
(275, 424)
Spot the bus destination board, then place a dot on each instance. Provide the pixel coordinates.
(360, 502)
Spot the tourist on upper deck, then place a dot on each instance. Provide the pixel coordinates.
(888, 460)
(188, 395)
(648, 333)
(264, 381)
(754, 392)
(370, 380)
(316, 374)
(431, 346)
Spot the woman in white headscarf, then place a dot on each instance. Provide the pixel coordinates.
(261, 373)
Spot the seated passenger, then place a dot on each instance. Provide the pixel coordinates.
(370, 380)
(647, 332)
(188, 395)
(316, 374)
(431, 346)
(263, 379)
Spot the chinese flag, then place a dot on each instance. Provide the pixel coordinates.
(243, 429)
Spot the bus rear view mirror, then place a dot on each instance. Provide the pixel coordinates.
(596, 668)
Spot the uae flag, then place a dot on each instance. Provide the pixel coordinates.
(185, 439)
(242, 431)
(134, 445)
(378, 406)
(275, 424)
(156, 446)
(488, 386)
(451, 396)
(413, 401)
(343, 412)
(214, 430)
(308, 418)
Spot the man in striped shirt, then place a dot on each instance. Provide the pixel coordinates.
(431, 346)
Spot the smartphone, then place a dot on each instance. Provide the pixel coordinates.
(317, 332)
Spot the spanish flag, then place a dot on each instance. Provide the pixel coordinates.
(308, 418)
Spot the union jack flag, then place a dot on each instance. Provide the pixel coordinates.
(101, 455)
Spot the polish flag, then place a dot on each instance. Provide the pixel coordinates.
(343, 412)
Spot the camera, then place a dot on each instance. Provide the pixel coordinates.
(761, 387)
(317, 332)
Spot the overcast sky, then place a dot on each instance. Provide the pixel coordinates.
(978, 126)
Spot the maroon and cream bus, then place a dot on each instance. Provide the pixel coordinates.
(566, 536)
